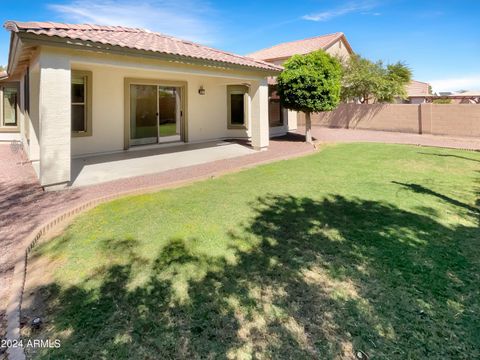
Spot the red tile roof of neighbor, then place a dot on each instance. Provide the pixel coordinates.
(139, 39)
(418, 88)
(301, 47)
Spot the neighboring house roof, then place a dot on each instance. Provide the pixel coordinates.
(469, 93)
(418, 89)
(139, 39)
(3, 75)
(305, 46)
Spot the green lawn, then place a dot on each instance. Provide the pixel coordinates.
(360, 247)
(167, 129)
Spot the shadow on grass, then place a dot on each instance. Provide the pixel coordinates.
(420, 189)
(309, 280)
(451, 156)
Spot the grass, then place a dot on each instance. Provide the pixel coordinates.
(360, 247)
(167, 129)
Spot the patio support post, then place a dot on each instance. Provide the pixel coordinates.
(260, 128)
(55, 122)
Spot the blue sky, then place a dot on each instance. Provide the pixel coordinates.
(439, 40)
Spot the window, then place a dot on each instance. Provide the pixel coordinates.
(81, 95)
(9, 106)
(275, 109)
(9, 93)
(237, 106)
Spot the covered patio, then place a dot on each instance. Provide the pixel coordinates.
(89, 170)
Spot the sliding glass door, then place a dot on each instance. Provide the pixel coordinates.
(143, 114)
(169, 114)
(155, 114)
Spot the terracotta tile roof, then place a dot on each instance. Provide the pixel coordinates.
(301, 47)
(139, 39)
(418, 88)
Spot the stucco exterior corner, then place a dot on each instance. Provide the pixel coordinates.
(55, 123)
(259, 114)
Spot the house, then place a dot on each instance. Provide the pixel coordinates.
(467, 97)
(335, 44)
(418, 92)
(76, 90)
(459, 97)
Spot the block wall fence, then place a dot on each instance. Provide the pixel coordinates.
(435, 119)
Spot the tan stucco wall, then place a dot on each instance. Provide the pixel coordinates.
(290, 124)
(436, 119)
(54, 118)
(206, 114)
(339, 49)
(51, 146)
(259, 114)
(33, 122)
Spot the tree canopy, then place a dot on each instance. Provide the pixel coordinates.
(310, 83)
(368, 81)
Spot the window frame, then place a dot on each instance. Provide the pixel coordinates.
(16, 127)
(26, 103)
(87, 102)
(235, 90)
(273, 89)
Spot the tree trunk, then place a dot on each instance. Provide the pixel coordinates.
(308, 128)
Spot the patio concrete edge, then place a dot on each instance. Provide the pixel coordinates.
(59, 222)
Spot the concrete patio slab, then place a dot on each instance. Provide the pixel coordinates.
(102, 168)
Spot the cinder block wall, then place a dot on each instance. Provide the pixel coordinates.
(456, 119)
(438, 119)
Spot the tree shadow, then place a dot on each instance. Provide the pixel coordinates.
(451, 156)
(420, 189)
(310, 279)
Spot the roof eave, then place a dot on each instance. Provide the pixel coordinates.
(96, 46)
(13, 52)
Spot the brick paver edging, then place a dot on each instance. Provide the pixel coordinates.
(60, 222)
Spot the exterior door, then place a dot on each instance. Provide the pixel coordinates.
(143, 114)
(169, 114)
(155, 114)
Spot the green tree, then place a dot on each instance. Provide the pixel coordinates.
(442, 101)
(367, 81)
(310, 83)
